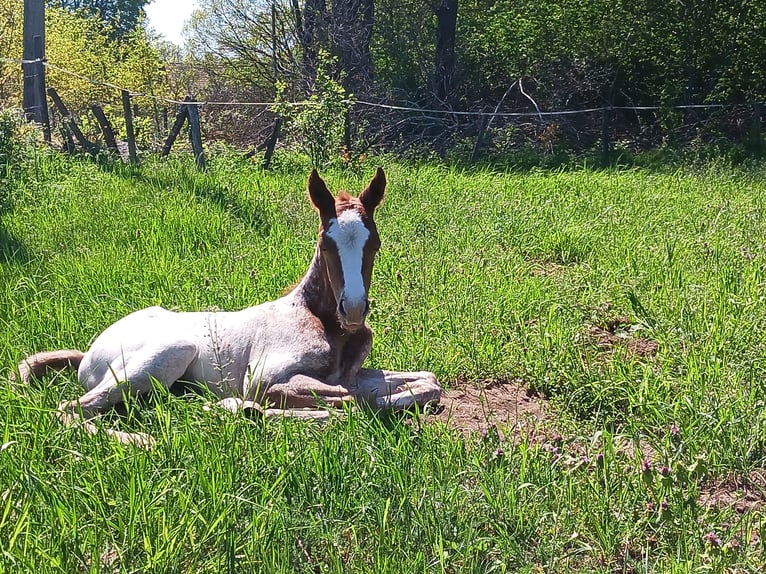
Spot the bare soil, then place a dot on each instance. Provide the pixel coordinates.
(620, 334)
(743, 493)
(475, 407)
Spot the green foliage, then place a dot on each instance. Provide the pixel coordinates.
(80, 48)
(318, 124)
(18, 141)
(120, 17)
(11, 26)
(580, 52)
(9, 122)
(132, 64)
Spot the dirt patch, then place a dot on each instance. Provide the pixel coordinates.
(743, 493)
(620, 333)
(475, 407)
(547, 268)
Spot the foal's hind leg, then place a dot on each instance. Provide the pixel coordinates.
(132, 374)
(398, 390)
(254, 409)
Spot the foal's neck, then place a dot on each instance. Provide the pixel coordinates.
(315, 292)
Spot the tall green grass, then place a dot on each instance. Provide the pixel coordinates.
(482, 276)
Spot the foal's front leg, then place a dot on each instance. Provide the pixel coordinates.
(302, 391)
(299, 397)
(251, 408)
(398, 390)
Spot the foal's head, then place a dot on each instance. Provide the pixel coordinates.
(348, 242)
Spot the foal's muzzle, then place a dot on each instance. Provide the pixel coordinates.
(352, 313)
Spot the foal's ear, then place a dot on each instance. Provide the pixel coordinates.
(374, 192)
(320, 195)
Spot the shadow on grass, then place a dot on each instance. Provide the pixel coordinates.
(11, 249)
(251, 213)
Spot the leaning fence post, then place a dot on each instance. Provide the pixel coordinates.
(86, 145)
(183, 113)
(757, 140)
(605, 134)
(130, 134)
(271, 143)
(106, 127)
(195, 134)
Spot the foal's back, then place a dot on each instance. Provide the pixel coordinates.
(228, 351)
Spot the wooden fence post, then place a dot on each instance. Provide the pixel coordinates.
(86, 145)
(106, 128)
(605, 135)
(757, 138)
(66, 135)
(42, 101)
(271, 143)
(347, 132)
(483, 124)
(181, 116)
(34, 101)
(195, 134)
(130, 134)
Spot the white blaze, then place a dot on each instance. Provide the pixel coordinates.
(350, 236)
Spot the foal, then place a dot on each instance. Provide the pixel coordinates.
(291, 356)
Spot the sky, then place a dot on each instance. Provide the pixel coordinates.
(167, 17)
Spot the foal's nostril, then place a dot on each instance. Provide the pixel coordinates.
(366, 306)
(341, 310)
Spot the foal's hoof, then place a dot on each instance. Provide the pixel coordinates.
(138, 439)
(252, 410)
(67, 413)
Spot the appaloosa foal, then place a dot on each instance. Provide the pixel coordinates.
(293, 355)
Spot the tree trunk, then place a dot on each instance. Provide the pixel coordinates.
(352, 31)
(446, 25)
(345, 31)
(313, 37)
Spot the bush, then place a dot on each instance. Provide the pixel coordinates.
(318, 126)
(18, 140)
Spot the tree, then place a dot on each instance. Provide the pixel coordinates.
(122, 16)
(246, 42)
(252, 39)
(11, 26)
(444, 67)
(350, 34)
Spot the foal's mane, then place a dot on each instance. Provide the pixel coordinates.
(345, 201)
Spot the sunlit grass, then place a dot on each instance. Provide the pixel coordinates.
(482, 276)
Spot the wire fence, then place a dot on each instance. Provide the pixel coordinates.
(588, 125)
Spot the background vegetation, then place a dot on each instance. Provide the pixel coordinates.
(506, 55)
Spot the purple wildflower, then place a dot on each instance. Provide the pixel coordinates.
(712, 539)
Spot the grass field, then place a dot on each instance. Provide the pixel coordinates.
(633, 300)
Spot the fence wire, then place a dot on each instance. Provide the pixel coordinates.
(392, 107)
